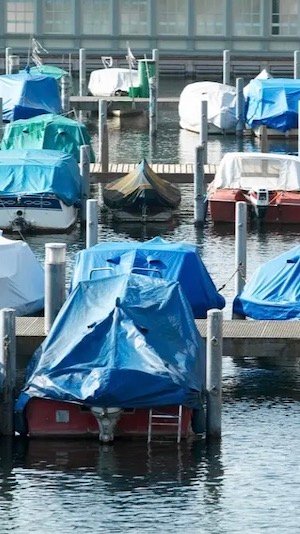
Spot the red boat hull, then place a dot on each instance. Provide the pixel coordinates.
(284, 206)
(49, 418)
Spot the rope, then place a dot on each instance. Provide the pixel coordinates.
(239, 269)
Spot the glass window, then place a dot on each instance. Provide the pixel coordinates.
(20, 16)
(134, 17)
(96, 17)
(172, 17)
(58, 16)
(210, 17)
(285, 17)
(247, 17)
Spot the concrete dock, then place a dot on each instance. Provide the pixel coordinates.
(123, 103)
(257, 339)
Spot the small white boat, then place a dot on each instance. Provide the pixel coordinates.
(39, 190)
(112, 81)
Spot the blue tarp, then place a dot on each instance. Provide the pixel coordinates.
(274, 290)
(27, 172)
(273, 103)
(173, 261)
(125, 341)
(25, 95)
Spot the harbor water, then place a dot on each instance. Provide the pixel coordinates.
(250, 481)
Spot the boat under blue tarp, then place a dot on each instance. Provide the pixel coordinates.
(274, 290)
(29, 172)
(273, 103)
(26, 95)
(173, 261)
(127, 341)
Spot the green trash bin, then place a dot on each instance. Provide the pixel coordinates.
(146, 68)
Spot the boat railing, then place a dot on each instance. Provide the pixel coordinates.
(92, 271)
(146, 269)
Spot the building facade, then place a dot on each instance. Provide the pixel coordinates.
(175, 27)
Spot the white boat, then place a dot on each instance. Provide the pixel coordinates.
(112, 81)
(21, 278)
(221, 107)
(39, 190)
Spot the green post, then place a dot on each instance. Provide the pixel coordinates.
(146, 70)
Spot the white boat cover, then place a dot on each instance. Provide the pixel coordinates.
(105, 82)
(263, 75)
(21, 277)
(254, 170)
(221, 105)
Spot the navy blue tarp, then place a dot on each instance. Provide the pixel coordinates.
(125, 341)
(25, 95)
(156, 257)
(273, 103)
(274, 290)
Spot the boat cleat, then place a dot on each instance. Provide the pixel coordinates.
(107, 419)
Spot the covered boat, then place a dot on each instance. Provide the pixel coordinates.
(25, 95)
(21, 278)
(273, 293)
(221, 107)
(179, 262)
(40, 190)
(112, 81)
(269, 183)
(54, 132)
(141, 195)
(48, 70)
(104, 360)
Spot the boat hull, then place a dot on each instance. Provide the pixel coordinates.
(53, 419)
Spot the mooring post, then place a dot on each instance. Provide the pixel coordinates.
(65, 94)
(7, 370)
(203, 130)
(152, 106)
(296, 64)
(226, 67)
(82, 72)
(298, 128)
(1, 118)
(102, 135)
(55, 281)
(264, 139)
(155, 57)
(240, 106)
(214, 351)
(8, 51)
(240, 246)
(13, 64)
(199, 209)
(84, 166)
(91, 222)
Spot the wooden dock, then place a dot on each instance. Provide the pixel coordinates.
(240, 338)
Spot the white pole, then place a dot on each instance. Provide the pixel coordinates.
(214, 351)
(13, 64)
(85, 177)
(203, 130)
(91, 222)
(240, 106)
(297, 64)
(82, 72)
(102, 135)
(226, 67)
(155, 57)
(65, 94)
(8, 52)
(7, 370)
(264, 139)
(55, 280)
(299, 129)
(240, 246)
(152, 106)
(1, 119)
(199, 211)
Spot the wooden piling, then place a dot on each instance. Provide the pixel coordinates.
(13, 64)
(85, 177)
(1, 119)
(240, 107)
(199, 211)
(203, 130)
(55, 281)
(103, 152)
(7, 370)
(91, 222)
(264, 139)
(214, 351)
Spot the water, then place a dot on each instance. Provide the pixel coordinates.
(247, 483)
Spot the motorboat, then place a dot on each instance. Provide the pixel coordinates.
(141, 196)
(121, 350)
(48, 131)
(21, 278)
(221, 107)
(26, 95)
(112, 81)
(269, 183)
(273, 292)
(40, 190)
(173, 261)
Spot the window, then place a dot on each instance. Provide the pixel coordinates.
(285, 17)
(96, 17)
(134, 17)
(210, 17)
(246, 17)
(20, 16)
(172, 17)
(58, 16)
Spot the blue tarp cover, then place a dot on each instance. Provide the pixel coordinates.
(273, 103)
(27, 172)
(127, 341)
(25, 95)
(173, 261)
(274, 290)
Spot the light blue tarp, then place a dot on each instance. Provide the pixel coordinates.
(173, 261)
(274, 290)
(28, 172)
(125, 341)
(273, 103)
(25, 95)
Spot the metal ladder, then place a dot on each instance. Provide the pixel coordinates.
(158, 418)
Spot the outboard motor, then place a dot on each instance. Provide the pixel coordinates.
(107, 419)
(260, 201)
